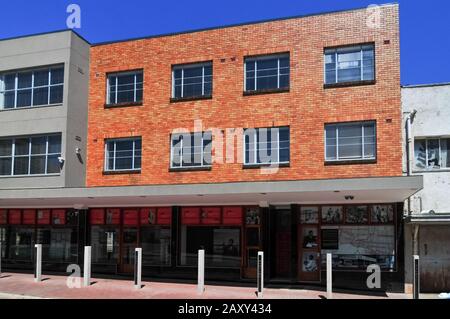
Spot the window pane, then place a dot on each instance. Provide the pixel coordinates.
(22, 146)
(8, 99)
(433, 153)
(192, 82)
(57, 76)
(349, 64)
(40, 96)
(330, 142)
(350, 141)
(5, 147)
(10, 81)
(112, 89)
(155, 245)
(5, 166)
(330, 67)
(207, 148)
(23, 98)
(445, 153)
(41, 78)
(267, 74)
(284, 144)
(125, 88)
(250, 141)
(38, 145)
(21, 165)
(420, 154)
(56, 94)
(24, 80)
(369, 140)
(54, 144)
(37, 165)
(53, 165)
(176, 150)
(368, 63)
(124, 154)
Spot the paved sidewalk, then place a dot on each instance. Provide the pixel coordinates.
(22, 286)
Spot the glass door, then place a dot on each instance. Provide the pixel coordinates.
(128, 245)
(252, 240)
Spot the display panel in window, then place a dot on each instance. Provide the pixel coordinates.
(125, 88)
(350, 64)
(37, 155)
(267, 73)
(432, 153)
(332, 214)
(382, 214)
(123, 154)
(350, 141)
(190, 150)
(192, 80)
(309, 215)
(33, 87)
(267, 146)
(357, 215)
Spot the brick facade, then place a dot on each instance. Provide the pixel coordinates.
(305, 108)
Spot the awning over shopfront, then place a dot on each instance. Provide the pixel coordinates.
(337, 191)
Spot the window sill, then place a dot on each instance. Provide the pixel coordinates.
(351, 162)
(437, 170)
(268, 91)
(28, 176)
(349, 84)
(191, 98)
(31, 107)
(136, 171)
(273, 165)
(187, 169)
(111, 106)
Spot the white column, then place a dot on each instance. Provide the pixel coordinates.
(87, 266)
(201, 271)
(260, 274)
(38, 266)
(329, 277)
(138, 268)
(416, 275)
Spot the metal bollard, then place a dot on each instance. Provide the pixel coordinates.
(260, 274)
(201, 271)
(416, 274)
(138, 268)
(87, 266)
(38, 265)
(329, 277)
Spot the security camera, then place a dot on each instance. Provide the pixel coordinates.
(77, 150)
(349, 197)
(61, 159)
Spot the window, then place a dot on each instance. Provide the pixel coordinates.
(267, 73)
(350, 64)
(37, 87)
(125, 88)
(267, 146)
(350, 141)
(432, 153)
(37, 155)
(191, 150)
(123, 154)
(192, 80)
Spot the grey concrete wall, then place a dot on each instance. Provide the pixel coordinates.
(432, 120)
(43, 50)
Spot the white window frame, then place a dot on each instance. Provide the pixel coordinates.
(183, 67)
(32, 87)
(352, 158)
(116, 76)
(30, 156)
(255, 60)
(427, 139)
(181, 166)
(256, 144)
(115, 140)
(336, 70)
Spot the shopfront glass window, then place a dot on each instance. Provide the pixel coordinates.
(155, 242)
(3, 241)
(105, 244)
(21, 243)
(221, 245)
(58, 244)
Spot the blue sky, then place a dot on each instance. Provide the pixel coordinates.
(425, 25)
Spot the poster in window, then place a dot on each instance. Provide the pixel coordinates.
(59, 217)
(226, 243)
(164, 216)
(3, 216)
(130, 217)
(382, 214)
(309, 215)
(15, 217)
(190, 215)
(29, 217)
(210, 215)
(112, 216)
(97, 216)
(43, 217)
(310, 262)
(357, 215)
(232, 215)
(252, 216)
(332, 214)
(109, 242)
(310, 238)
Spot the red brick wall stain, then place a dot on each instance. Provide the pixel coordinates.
(305, 108)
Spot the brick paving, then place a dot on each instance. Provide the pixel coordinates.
(20, 286)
